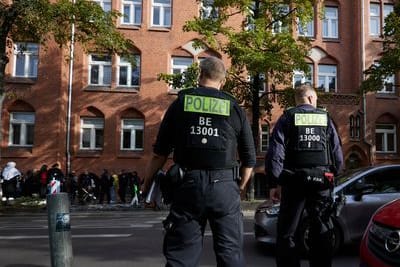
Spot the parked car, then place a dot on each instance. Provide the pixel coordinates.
(364, 191)
(380, 246)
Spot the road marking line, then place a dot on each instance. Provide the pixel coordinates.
(83, 227)
(19, 237)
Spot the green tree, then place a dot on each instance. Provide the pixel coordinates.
(184, 80)
(389, 63)
(42, 21)
(262, 47)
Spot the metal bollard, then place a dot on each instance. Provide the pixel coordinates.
(59, 230)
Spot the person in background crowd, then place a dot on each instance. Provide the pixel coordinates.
(43, 176)
(84, 184)
(114, 188)
(35, 183)
(71, 186)
(28, 187)
(123, 180)
(10, 177)
(55, 173)
(139, 182)
(105, 186)
(135, 195)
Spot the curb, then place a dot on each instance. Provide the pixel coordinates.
(248, 208)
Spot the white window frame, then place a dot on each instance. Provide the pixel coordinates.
(250, 24)
(330, 23)
(278, 26)
(326, 76)
(180, 68)
(125, 63)
(134, 126)
(385, 89)
(308, 30)
(23, 119)
(263, 89)
(30, 54)
(374, 19)
(207, 11)
(101, 64)
(387, 9)
(164, 7)
(303, 77)
(264, 137)
(92, 124)
(385, 133)
(133, 6)
(104, 4)
(388, 85)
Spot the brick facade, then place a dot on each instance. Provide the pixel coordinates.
(47, 96)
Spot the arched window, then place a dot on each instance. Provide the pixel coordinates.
(355, 126)
(351, 124)
(92, 133)
(357, 133)
(22, 126)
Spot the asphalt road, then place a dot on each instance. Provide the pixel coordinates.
(118, 239)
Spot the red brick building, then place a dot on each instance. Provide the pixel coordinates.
(116, 108)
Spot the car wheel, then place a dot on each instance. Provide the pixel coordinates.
(303, 235)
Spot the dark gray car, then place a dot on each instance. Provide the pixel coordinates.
(364, 191)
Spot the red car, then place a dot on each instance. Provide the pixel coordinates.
(380, 246)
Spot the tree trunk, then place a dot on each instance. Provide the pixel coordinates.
(3, 63)
(255, 124)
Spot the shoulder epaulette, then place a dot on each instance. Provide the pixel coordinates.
(289, 110)
(322, 109)
(229, 95)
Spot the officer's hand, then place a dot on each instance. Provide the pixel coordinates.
(275, 194)
(242, 194)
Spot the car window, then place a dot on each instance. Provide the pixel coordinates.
(352, 189)
(383, 181)
(388, 182)
(348, 175)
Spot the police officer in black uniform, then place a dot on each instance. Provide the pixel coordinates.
(304, 156)
(206, 129)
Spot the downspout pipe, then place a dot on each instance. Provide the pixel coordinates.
(69, 109)
(364, 96)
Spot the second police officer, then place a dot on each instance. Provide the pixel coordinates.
(303, 157)
(206, 129)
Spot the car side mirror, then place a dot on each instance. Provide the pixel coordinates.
(363, 189)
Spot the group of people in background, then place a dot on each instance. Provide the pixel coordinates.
(108, 187)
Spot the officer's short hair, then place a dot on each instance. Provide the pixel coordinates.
(212, 68)
(303, 90)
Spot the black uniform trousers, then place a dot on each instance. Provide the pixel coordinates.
(294, 200)
(205, 195)
(9, 187)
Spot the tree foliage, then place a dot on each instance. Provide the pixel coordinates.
(389, 63)
(187, 79)
(258, 37)
(41, 21)
(256, 46)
